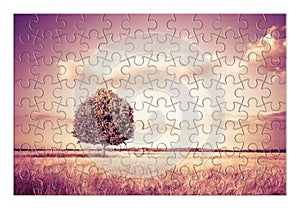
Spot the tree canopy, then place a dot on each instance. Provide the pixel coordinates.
(103, 118)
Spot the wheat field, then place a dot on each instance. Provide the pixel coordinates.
(216, 174)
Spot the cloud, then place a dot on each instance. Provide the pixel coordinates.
(273, 44)
(271, 53)
(274, 116)
(277, 39)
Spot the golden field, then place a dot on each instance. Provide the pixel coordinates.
(129, 173)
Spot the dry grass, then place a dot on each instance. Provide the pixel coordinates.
(220, 175)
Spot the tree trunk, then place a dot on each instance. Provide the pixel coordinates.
(103, 149)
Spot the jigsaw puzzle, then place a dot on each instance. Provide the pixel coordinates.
(150, 104)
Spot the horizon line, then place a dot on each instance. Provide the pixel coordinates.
(283, 150)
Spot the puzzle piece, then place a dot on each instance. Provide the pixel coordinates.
(185, 133)
(259, 47)
(276, 39)
(41, 115)
(231, 22)
(213, 92)
(41, 71)
(248, 92)
(159, 107)
(47, 54)
(115, 27)
(191, 24)
(253, 31)
(64, 47)
(253, 120)
(278, 99)
(229, 52)
(93, 41)
(185, 55)
(31, 92)
(64, 88)
(138, 100)
(134, 70)
(253, 65)
(275, 133)
(25, 63)
(47, 88)
(136, 22)
(69, 29)
(206, 120)
(120, 47)
(207, 92)
(45, 22)
(206, 65)
(206, 46)
(28, 138)
(230, 134)
(272, 68)
(268, 115)
(155, 46)
(236, 70)
(24, 118)
(157, 92)
(229, 87)
(232, 160)
(207, 140)
(89, 23)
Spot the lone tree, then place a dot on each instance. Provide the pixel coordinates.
(103, 118)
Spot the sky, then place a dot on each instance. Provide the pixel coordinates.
(214, 81)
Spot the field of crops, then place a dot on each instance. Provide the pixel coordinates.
(74, 173)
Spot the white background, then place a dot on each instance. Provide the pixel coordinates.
(8, 8)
